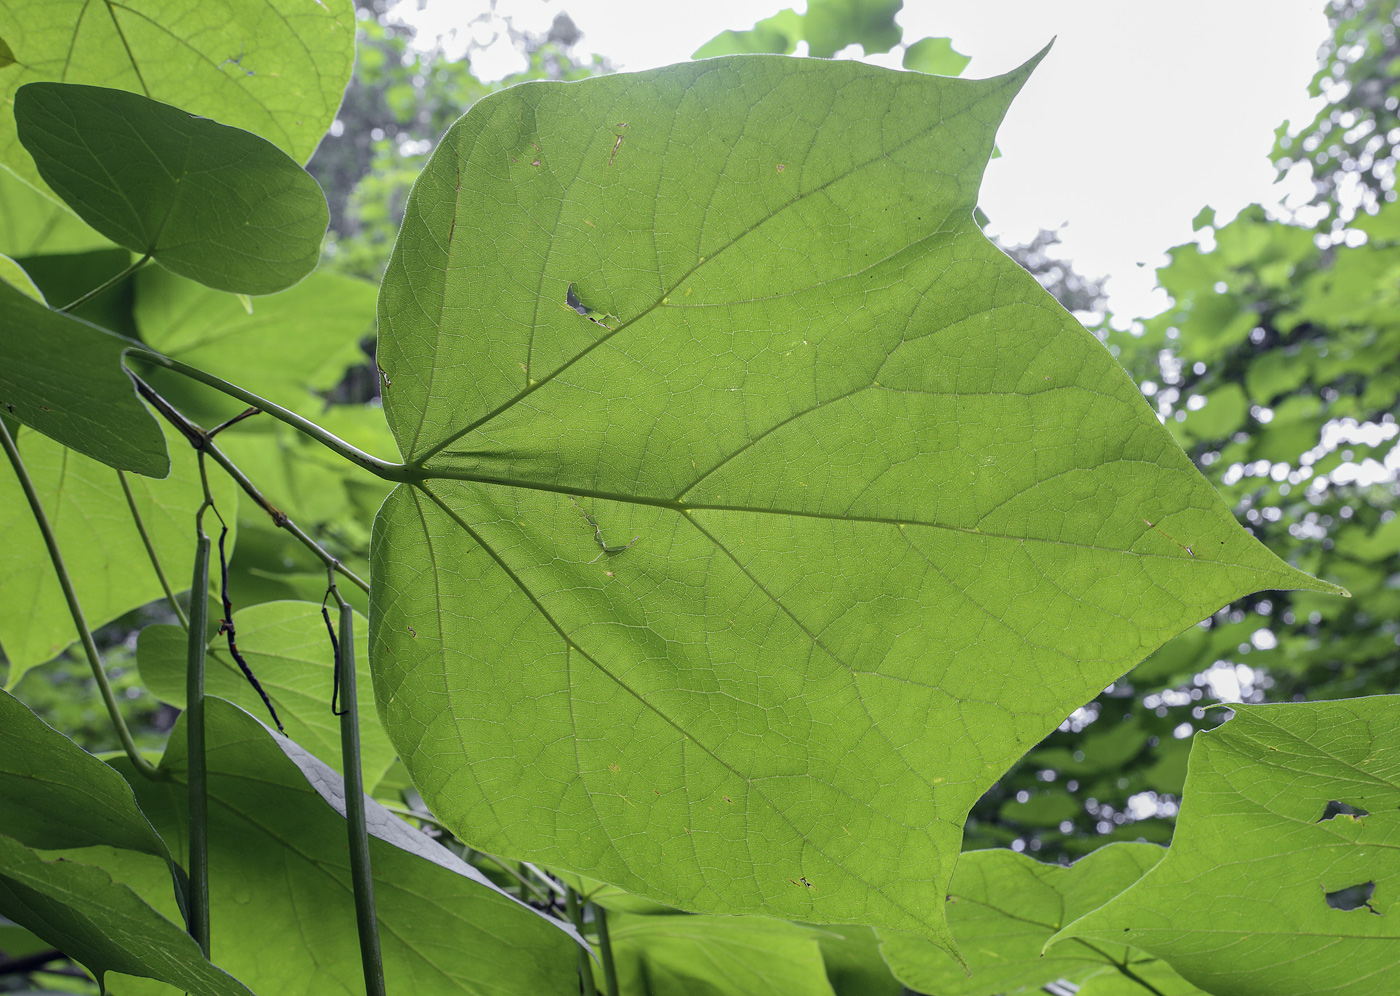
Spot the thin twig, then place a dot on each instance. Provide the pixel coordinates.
(151, 551)
(227, 628)
(199, 439)
(75, 608)
(380, 468)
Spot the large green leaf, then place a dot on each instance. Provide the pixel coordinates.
(715, 956)
(103, 551)
(275, 69)
(287, 646)
(65, 378)
(103, 924)
(54, 794)
(300, 339)
(281, 909)
(1004, 906)
(764, 511)
(209, 202)
(1281, 877)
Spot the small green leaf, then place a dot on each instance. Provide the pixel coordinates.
(287, 345)
(209, 202)
(13, 274)
(831, 25)
(276, 70)
(65, 378)
(776, 35)
(936, 56)
(287, 648)
(1004, 906)
(100, 923)
(280, 887)
(54, 794)
(106, 558)
(717, 956)
(1283, 871)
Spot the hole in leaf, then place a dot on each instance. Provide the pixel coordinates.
(1335, 809)
(1353, 897)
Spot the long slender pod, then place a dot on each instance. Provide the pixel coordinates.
(194, 732)
(360, 872)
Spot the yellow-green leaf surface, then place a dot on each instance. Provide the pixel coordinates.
(277, 69)
(91, 516)
(282, 914)
(102, 924)
(13, 274)
(207, 201)
(762, 512)
(65, 378)
(32, 223)
(1004, 906)
(289, 344)
(287, 647)
(715, 956)
(1282, 874)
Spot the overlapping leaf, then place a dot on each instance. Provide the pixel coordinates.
(33, 223)
(277, 70)
(1004, 906)
(287, 647)
(280, 888)
(768, 512)
(1282, 873)
(209, 202)
(91, 516)
(289, 344)
(65, 378)
(79, 909)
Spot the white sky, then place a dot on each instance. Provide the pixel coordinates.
(1142, 114)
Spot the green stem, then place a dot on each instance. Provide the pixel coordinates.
(200, 440)
(75, 608)
(151, 551)
(361, 875)
(585, 962)
(108, 283)
(194, 738)
(380, 468)
(600, 916)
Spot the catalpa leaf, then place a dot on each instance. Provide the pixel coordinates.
(1282, 873)
(738, 589)
(212, 203)
(64, 377)
(1004, 906)
(277, 70)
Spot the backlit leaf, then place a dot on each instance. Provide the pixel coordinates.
(209, 202)
(1282, 873)
(277, 70)
(738, 589)
(100, 923)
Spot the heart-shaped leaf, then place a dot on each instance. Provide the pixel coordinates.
(216, 204)
(1283, 870)
(761, 512)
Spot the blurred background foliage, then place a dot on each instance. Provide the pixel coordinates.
(1276, 365)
